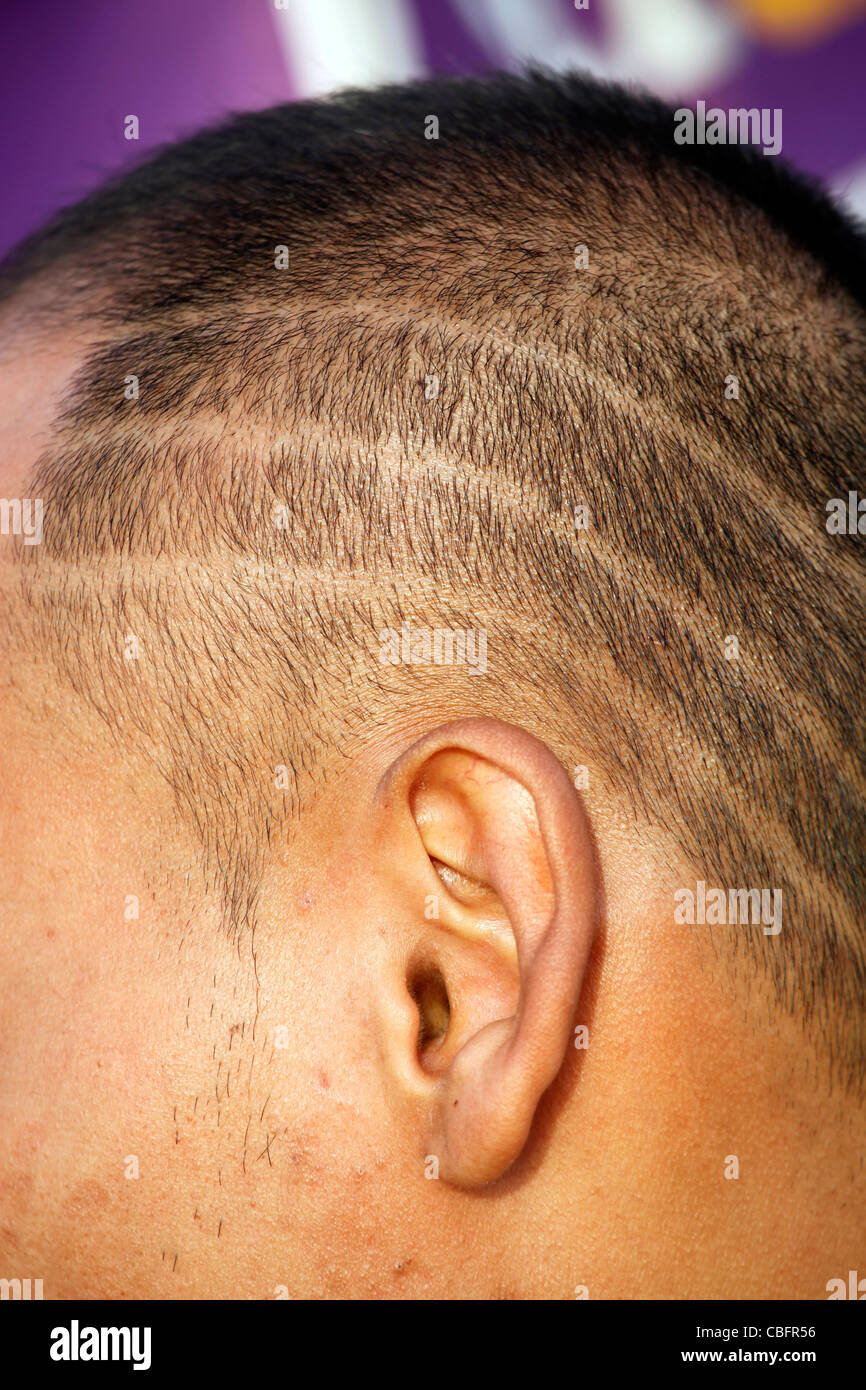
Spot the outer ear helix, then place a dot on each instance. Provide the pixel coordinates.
(486, 1094)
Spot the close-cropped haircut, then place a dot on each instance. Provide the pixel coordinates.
(541, 371)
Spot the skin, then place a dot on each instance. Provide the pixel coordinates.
(271, 1089)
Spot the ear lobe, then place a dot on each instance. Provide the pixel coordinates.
(498, 814)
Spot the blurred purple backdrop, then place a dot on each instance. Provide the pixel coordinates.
(72, 72)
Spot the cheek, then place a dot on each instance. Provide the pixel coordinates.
(317, 1095)
(323, 1191)
(326, 1173)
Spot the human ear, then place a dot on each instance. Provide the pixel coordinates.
(494, 835)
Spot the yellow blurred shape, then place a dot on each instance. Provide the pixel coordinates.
(796, 21)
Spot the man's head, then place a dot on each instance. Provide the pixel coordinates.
(435, 604)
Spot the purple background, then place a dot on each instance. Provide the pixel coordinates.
(73, 71)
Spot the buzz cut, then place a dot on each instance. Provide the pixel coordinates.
(496, 354)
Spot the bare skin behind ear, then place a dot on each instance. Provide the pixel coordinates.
(288, 1099)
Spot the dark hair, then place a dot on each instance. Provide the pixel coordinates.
(430, 392)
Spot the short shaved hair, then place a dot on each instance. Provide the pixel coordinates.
(549, 374)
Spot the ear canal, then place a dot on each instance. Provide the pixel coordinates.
(427, 988)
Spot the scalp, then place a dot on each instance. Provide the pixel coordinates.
(557, 387)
